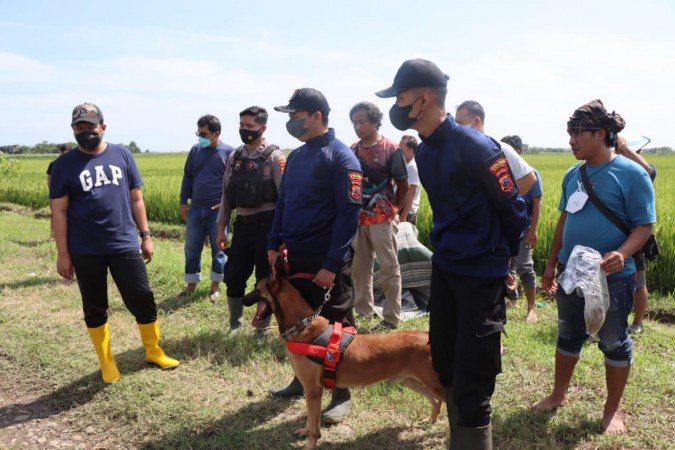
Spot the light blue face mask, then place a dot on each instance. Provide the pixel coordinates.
(204, 142)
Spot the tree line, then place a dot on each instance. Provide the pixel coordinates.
(48, 147)
(45, 147)
(537, 150)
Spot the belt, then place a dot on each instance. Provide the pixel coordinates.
(255, 218)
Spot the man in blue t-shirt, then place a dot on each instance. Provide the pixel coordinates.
(316, 218)
(97, 205)
(202, 187)
(523, 265)
(641, 293)
(626, 190)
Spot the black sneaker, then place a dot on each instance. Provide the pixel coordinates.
(385, 326)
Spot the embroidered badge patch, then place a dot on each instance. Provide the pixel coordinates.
(250, 165)
(500, 169)
(355, 180)
(282, 164)
(237, 165)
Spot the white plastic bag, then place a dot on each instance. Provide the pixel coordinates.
(583, 272)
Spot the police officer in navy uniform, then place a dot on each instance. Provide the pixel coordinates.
(316, 219)
(250, 186)
(478, 219)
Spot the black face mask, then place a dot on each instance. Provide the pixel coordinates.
(248, 136)
(88, 140)
(398, 115)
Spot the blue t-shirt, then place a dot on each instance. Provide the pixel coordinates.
(626, 189)
(319, 201)
(100, 221)
(535, 191)
(203, 175)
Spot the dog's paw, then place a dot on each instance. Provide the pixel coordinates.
(301, 432)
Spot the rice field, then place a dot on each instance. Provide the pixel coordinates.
(162, 174)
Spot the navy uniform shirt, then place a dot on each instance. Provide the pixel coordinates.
(478, 216)
(319, 201)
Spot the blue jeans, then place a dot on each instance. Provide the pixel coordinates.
(615, 342)
(200, 223)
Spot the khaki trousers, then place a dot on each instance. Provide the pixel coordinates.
(380, 240)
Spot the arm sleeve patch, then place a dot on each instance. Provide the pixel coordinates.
(499, 168)
(354, 191)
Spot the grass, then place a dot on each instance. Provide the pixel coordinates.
(162, 174)
(217, 398)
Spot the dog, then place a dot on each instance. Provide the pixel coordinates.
(400, 357)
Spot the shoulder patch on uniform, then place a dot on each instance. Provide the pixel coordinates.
(355, 181)
(500, 169)
(282, 164)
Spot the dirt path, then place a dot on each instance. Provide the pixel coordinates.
(26, 422)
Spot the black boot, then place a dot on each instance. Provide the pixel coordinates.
(236, 311)
(479, 438)
(292, 390)
(339, 405)
(453, 413)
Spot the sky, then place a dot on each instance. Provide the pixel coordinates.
(154, 67)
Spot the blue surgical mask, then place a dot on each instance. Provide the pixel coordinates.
(204, 142)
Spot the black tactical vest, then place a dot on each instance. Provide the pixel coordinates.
(248, 186)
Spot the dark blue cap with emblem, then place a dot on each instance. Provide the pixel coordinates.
(415, 73)
(306, 99)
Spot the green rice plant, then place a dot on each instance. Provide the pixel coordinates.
(162, 174)
(552, 168)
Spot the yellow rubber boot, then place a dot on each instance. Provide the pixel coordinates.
(153, 353)
(101, 340)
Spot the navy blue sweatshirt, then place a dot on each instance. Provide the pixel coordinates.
(478, 216)
(319, 201)
(203, 175)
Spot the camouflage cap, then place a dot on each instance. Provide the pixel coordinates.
(593, 116)
(87, 112)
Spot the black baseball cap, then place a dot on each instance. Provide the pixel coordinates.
(306, 99)
(86, 112)
(415, 73)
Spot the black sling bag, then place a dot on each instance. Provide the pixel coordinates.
(650, 250)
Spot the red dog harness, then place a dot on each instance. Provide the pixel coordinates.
(327, 353)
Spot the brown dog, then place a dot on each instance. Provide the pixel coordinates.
(400, 357)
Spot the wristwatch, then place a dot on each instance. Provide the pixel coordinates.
(146, 233)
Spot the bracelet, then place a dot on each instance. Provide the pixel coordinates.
(145, 233)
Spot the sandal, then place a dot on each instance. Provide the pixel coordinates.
(184, 294)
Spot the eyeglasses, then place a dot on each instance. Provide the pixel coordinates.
(203, 134)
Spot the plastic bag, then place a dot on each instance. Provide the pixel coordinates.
(583, 272)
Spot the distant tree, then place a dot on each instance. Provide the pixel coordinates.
(658, 151)
(133, 147)
(548, 150)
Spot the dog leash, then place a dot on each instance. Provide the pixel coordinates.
(304, 323)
